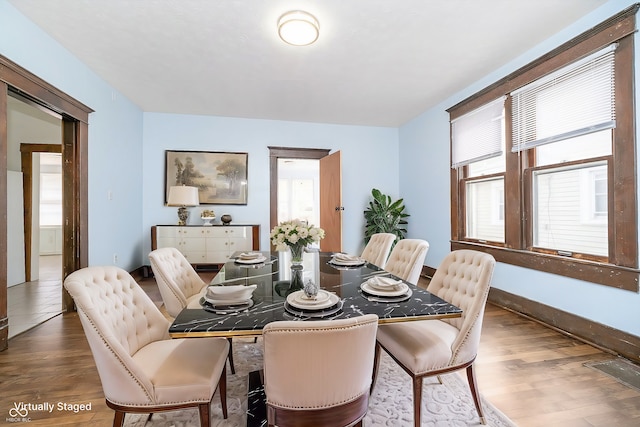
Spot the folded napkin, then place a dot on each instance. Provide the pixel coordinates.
(346, 258)
(231, 293)
(250, 255)
(384, 283)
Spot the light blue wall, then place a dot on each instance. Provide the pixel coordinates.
(369, 160)
(424, 183)
(115, 135)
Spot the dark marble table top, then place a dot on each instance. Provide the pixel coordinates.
(275, 281)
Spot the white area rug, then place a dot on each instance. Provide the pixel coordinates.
(446, 405)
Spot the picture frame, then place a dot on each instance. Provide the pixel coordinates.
(221, 177)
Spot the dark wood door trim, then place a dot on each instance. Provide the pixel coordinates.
(75, 117)
(4, 320)
(26, 156)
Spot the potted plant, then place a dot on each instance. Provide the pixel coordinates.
(385, 216)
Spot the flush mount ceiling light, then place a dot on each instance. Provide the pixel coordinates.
(298, 28)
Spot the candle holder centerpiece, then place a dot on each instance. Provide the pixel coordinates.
(294, 236)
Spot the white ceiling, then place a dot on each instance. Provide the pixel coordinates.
(376, 63)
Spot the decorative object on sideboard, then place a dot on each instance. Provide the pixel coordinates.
(221, 177)
(226, 219)
(182, 196)
(207, 215)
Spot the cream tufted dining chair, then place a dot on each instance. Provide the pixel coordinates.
(141, 368)
(318, 374)
(434, 347)
(178, 282)
(377, 250)
(180, 286)
(407, 258)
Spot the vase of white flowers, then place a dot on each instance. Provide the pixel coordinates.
(295, 235)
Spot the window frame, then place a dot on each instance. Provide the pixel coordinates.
(621, 268)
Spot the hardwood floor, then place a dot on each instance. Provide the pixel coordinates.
(31, 303)
(533, 374)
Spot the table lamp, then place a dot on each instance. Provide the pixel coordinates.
(183, 196)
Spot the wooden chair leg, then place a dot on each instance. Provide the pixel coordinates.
(118, 419)
(376, 366)
(417, 401)
(233, 368)
(271, 416)
(222, 388)
(204, 414)
(473, 385)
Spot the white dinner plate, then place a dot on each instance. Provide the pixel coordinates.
(294, 300)
(216, 301)
(344, 263)
(388, 299)
(395, 292)
(303, 300)
(250, 255)
(346, 260)
(384, 283)
(225, 308)
(251, 260)
(314, 314)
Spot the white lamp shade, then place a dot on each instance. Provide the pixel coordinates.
(298, 28)
(183, 196)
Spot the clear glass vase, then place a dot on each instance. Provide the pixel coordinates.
(296, 254)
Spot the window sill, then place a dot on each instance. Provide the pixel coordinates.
(590, 271)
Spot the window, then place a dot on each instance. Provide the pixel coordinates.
(51, 197)
(485, 209)
(547, 202)
(564, 210)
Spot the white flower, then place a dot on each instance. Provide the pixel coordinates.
(294, 233)
(294, 238)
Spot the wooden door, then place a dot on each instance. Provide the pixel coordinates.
(331, 202)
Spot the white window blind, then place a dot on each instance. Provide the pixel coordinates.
(576, 100)
(477, 135)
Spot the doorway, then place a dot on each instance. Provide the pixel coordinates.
(299, 190)
(17, 82)
(35, 214)
(329, 190)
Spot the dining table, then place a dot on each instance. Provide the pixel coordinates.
(276, 280)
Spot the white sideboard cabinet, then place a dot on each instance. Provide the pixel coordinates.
(206, 245)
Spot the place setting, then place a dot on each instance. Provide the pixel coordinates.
(385, 289)
(250, 258)
(313, 302)
(342, 260)
(228, 299)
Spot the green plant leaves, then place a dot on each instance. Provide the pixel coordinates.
(385, 216)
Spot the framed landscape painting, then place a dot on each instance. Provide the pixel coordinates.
(221, 177)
